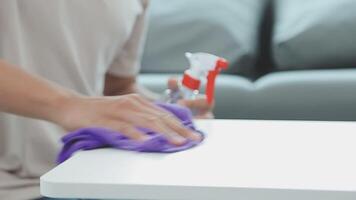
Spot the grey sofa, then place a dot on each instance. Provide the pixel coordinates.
(264, 91)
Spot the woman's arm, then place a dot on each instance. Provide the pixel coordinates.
(28, 95)
(31, 96)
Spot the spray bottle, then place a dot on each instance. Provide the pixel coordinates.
(202, 66)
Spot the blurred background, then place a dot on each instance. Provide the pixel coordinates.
(290, 59)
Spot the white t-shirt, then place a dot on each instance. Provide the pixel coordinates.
(73, 43)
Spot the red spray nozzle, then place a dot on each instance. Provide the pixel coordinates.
(222, 64)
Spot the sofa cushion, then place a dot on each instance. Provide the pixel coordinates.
(227, 28)
(314, 34)
(290, 95)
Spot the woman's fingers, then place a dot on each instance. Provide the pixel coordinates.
(143, 113)
(171, 135)
(156, 124)
(128, 130)
(132, 132)
(175, 125)
(172, 122)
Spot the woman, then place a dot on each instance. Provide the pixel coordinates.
(57, 59)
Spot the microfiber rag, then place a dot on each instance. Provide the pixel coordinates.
(93, 138)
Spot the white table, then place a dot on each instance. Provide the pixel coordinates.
(240, 159)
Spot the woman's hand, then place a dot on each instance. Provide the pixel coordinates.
(123, 113)
(199, 106)
(38, 98)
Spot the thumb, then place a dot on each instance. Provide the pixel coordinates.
(173, 83)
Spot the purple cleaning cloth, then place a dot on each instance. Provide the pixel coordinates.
(94, 138)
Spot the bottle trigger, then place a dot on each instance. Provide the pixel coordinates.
(210, 86)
